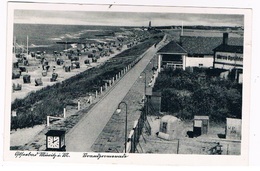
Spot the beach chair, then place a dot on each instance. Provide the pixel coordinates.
(26, 79)
(38, 82)
(54, 77)
(17, 87)
(67, 68)
(44, 73)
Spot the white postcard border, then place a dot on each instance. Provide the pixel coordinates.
(160, 159)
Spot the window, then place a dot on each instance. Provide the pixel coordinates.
(164, 127)
(200, 65)
(197, 123)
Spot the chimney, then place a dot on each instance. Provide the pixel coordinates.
(225, 39)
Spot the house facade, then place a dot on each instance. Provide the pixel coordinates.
(207, 52)
(228, 56)
(172, 55)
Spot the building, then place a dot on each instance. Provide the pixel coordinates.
(197, 51)
(228, 56)
(200, 125)
(233, 128)
(170, 127)
(172, 55)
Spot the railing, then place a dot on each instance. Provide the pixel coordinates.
(136, 132)
(151, 110)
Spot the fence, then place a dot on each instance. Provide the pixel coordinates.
(136, 132)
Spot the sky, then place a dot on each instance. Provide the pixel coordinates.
(124, 18)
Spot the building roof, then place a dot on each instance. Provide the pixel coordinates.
(169, 118)
(229, 48)
(233, 121)
(55, 132)
(172, 48)
(201, 117)
(205, 45)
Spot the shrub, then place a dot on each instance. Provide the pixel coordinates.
(184, 95)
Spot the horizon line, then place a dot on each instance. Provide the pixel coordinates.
(126, 25)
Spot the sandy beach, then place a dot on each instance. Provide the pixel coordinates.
(35, 71)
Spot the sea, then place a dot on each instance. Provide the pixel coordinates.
(49, 38)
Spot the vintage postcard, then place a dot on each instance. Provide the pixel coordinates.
(127, 84)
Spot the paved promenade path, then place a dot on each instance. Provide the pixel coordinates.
(83, 135)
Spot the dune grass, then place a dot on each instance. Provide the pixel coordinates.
(33, 109)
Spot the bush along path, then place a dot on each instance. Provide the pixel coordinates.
(33, 109)
(185, 94)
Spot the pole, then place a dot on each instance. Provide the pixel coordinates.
(125, 121)
(145, 99)
(48, 120)
(125, 126)
(90, 99)
(227, 148)
(27, 46)
(16, 123)
(182, 28)
(14, 44)
(145, 84)
(64, 112)
(78, 105)
(178, 145)
(32, 117)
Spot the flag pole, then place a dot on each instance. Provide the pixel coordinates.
(27, 46)
(182, 28)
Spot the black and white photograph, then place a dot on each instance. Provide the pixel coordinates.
(120, 82)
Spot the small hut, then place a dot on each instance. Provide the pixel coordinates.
(233, 128)
(200, 125)
(170, 127)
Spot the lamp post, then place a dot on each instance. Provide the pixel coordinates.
(118, 110)
(145, 98)
(144, 83)
(32, 119)
(14, 116)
